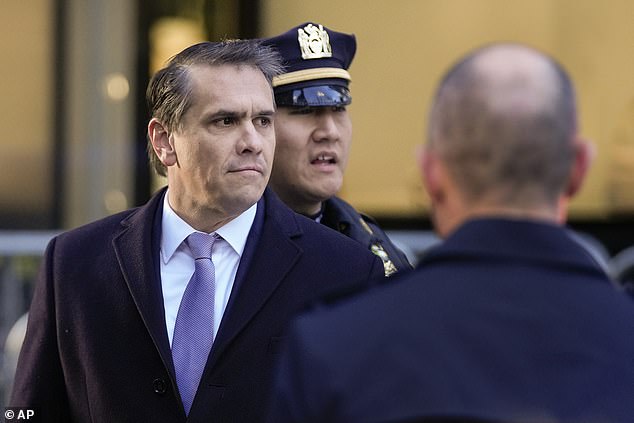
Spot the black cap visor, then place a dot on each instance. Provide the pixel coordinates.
(313, 96)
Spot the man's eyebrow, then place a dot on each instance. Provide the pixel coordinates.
(223, 113)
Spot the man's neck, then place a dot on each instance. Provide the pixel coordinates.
(306, 209)
(317, 215)
(202, 219)
(451, 222)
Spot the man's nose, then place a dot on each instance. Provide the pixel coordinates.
(327, 128)
(251, 140)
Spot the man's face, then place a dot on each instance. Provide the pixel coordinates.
(224, 150)
(311, 154)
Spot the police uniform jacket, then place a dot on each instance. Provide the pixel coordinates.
(342, 217)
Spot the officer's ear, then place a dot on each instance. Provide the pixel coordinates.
(162, 142)
(583, 155)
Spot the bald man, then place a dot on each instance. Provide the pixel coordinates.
(509, 319)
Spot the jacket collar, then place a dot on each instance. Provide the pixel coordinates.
(510, 239)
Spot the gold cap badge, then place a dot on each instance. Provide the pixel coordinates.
(314, 42)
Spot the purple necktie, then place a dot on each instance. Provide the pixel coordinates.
(194, 328)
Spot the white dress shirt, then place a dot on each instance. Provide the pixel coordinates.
(177, 263)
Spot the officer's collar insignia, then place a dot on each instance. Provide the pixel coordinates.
(314, 42)
(365, 226)
(388, 266)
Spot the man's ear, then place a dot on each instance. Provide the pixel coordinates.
(583, 154)
(162, 142)
(429, 166)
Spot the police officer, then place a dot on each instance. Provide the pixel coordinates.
(314, 133)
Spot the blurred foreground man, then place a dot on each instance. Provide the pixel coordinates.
(509, 320)
(314, 134)
(175, 311)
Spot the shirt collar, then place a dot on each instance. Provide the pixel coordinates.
(174, 230)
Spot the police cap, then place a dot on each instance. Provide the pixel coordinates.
(316, 61)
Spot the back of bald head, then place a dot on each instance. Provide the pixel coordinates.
(503, 121)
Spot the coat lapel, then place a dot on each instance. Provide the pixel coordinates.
(269, 254)
(137, 249)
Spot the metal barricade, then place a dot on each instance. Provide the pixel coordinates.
(20, 256)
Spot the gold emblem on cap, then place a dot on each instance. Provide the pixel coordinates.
(314, 42)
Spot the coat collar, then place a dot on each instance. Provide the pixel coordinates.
(342, 217)
(509, 239)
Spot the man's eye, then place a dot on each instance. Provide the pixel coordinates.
(339, 108)
(264, 121)
(225, 121)
(302, 111)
